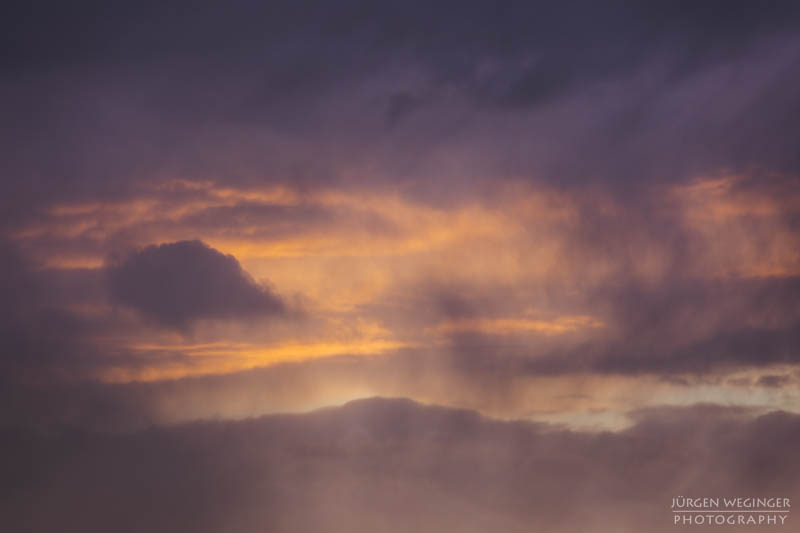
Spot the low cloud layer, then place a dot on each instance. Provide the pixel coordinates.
(393, 465)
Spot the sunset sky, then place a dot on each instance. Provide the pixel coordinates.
(566, 231)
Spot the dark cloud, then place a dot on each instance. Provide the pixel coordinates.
(773, 380)
(567, 94)
(608, 34)
(401, 105)
(677, 326)
(40, 339)
(391, 465)
(179, 282)
(731, 349)
(699, 326)
(46, 342)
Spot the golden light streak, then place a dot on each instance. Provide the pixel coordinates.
(370, 245)
(502, 326)
(222, 358)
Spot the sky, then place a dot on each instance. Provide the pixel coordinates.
(551, 236)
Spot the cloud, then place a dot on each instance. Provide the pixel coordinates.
(701, 326)
(180, 282)
(505, 94)
(775, 380)
(675, 326)
(457, 178)
(39, 339)
(390, 465)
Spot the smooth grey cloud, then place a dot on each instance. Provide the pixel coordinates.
(179, 282)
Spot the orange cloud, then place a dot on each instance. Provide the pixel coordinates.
(369, 245)
(503, 326)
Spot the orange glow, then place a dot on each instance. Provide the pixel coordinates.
(368, 248)
(513, 325)
(743, 231)
(221, 358)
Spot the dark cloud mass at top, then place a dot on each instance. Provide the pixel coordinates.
(566, 93)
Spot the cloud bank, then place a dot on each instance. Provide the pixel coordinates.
(394, 465)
